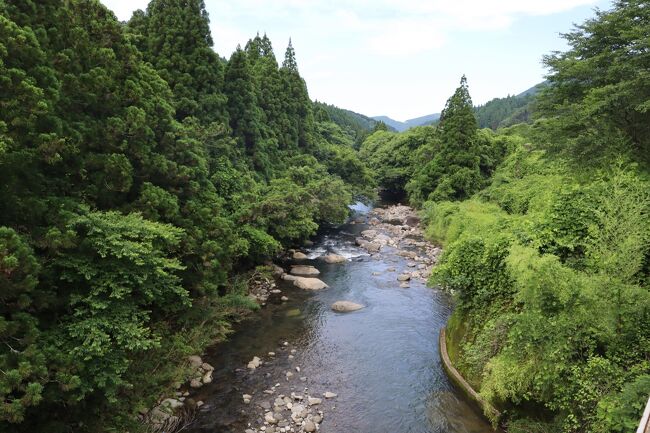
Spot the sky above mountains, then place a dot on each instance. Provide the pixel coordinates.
(400, 58)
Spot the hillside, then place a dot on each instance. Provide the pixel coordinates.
(356, 125)
(508, 111)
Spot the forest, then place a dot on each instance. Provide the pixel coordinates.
(142, 175)
(139, 171)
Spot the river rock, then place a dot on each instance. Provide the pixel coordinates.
(207, 367)
(158, 416)
(254, 363)
(369, 234)
(346, 306)
(314, 401)
(403, 277)
(371, 247)
(196, 383)
(270, 418)
(284, 299)
(299, 256)
(309, 283)
(408, 254)
(309, 426)
(304, 270)
(333, 258)
(207, 377)
(382, 239)
(171, 403)
(405, 285)
(247, 398)
(317, 419)
(277, 270)
(195, 361)
(328, 394)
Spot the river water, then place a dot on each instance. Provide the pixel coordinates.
(382, 361)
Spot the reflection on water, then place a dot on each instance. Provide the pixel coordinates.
(382, 361)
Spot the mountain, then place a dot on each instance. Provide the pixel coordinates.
(508, 111)
(395, 124)
(408, 124)
(424, 120)
(356, 125)
(499, 112)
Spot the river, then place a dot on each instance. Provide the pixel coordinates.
(382, 361)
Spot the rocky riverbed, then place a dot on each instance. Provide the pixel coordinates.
(346, 341)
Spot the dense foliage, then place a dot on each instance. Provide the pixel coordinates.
(451, 160)
(598, 97)
(138, 171)
(546, 229)
(508, 111)
(356, 125)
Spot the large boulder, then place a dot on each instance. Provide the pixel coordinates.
(346, 306)
(309, 283)
(304, 270)
(371, 247)
(334, 258)
(382, 239)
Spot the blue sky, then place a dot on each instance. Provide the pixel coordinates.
(401, 58)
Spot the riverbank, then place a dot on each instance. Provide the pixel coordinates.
(492, 413)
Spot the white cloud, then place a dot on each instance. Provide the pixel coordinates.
(388, 27)
(396, 57)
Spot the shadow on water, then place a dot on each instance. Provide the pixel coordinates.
(382, 361)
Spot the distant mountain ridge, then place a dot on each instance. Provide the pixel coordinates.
(408, 124)
(495, 113)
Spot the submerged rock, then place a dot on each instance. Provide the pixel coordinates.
(346, 306)
(333, 258)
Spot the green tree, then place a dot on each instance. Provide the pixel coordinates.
(297, 104)
(452, 169)
(598, 101)
(245, 115)
(22, 361)
(174, 36)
